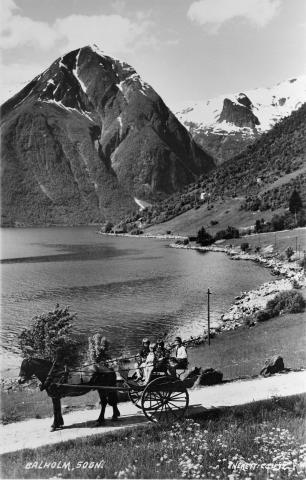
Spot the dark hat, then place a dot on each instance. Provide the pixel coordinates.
(178, 339)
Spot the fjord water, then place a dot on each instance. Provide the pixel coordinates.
(125, 288)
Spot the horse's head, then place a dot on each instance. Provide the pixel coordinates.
(26, 371)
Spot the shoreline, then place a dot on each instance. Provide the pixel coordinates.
(155, 237)
(249, 302)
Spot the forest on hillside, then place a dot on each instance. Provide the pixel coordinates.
(277, 154)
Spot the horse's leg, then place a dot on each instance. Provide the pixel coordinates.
(55, 414)
(103, 401)
(113, 401)
(58, 419)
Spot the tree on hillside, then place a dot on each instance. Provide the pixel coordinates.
(49, 334)
(204, 238)
(108, 227)
(295, 202)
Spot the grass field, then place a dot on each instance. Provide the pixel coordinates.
(262, 440)
(279, 240)
(243, 352)
(225, 213)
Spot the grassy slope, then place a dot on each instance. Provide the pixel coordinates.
(260, 432)
(285, 179)
(243, 352)
(226, 213)
(280, 240)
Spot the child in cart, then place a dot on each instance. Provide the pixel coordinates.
(149, 363)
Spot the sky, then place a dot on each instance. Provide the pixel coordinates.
(188, 50)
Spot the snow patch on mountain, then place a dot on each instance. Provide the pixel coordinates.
(269, 105)
(75, 73)
(69, 109)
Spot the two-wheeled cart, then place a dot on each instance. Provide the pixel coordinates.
(163, 399)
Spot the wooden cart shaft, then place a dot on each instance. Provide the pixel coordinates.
(91, 387)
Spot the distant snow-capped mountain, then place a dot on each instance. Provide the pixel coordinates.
(225, 125)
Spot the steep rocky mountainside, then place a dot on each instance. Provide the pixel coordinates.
(226, 125)
(86, 139)
(261, 178)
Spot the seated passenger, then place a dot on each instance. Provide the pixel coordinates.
(161, 356)
(180, 359)
(149, 363)
(141, 358)
(144, 349)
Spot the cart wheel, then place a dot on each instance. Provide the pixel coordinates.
(165, 400)
(135, 397)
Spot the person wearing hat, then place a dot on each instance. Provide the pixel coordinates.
(180, 359)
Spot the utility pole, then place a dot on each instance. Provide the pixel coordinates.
(296, 239)
(208, 314)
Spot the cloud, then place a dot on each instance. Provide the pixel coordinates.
(113, 33)
(17, 30)
(213, 13)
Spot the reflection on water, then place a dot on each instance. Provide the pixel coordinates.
(126, 288)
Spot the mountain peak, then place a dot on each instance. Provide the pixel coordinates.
(238, 113)
(227, 124)
(86, 137)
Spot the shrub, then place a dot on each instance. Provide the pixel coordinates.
(245, 246)
(286, 302)
(295, 202)
(289, 252)
(263, 315)
(50, 333)
(108, 227)
(230, 232)
(204, 238)
(249, 321)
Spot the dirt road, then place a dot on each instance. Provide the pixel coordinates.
(35, 433)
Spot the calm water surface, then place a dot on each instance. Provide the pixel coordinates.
(125, 288)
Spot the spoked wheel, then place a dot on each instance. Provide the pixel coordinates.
(165, 400)
(135, 397)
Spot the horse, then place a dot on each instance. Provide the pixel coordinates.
(101, 377)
